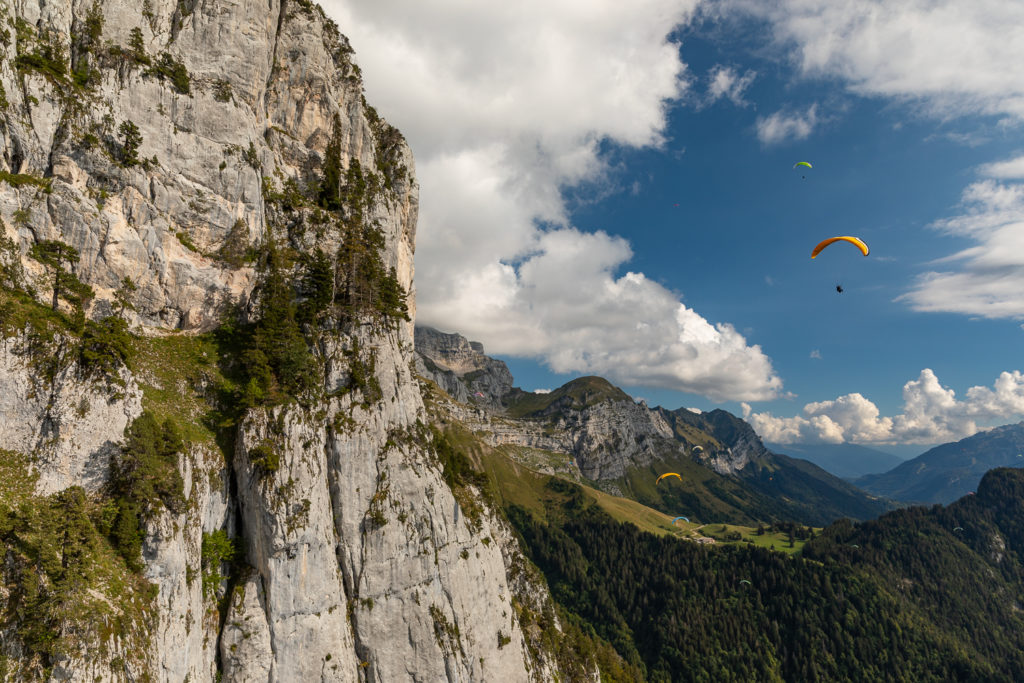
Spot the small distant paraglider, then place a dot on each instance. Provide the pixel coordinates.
(479, 394)
(839, 288)
(746, 582)
(685, 519)
(958, 528)
(804, 164)
(668, 474)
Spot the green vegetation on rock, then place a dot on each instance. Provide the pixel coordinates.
(168, 68)
(68, 593)
(143, 477)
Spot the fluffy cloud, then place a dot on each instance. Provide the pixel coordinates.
(505, 106)
(1011, 169)
(988, 279)
(725, 81)
(950, 56)
(931, 414)
(787, 125)
(585, 319)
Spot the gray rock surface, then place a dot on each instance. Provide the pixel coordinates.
(70, 425)
(461, 368)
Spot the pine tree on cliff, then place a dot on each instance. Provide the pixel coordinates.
(59, 256)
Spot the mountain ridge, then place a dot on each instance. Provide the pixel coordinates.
(619, 444)
(950, 471)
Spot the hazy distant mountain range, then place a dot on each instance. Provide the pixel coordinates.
(949, 471)
(845, 460)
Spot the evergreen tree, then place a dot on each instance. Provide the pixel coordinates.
(123, 294)
(330, 189)
(58, 256)
(131, 139)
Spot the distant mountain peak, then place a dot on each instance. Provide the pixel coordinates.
(949, 471)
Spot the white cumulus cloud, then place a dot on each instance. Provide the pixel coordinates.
(505, 105)
(726, 82)
(787, 125)
(931, 414)
(585, 319)
(950, 56)
(1011, 169)
(987, 278)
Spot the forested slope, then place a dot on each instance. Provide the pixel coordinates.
(916, 595)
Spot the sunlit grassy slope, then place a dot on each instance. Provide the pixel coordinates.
(513, 482)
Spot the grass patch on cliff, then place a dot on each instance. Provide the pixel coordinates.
(19, 311)
(182, 378)
(459, 470)
(17, 480)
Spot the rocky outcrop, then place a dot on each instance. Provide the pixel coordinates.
(56, 412)
(601, 440)
(735, 443)
(461, 368)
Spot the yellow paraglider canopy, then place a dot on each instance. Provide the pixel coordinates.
(667, 474)
(844, 238)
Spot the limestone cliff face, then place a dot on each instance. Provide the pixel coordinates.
(167, 141)
(228, 100)
(461, 368)
(70, 423)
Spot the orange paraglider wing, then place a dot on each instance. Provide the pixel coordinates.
(843, 238)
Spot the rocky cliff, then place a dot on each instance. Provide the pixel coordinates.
(604, 430)
(260, 502)
(461, 368)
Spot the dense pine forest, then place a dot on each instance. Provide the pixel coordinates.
(920, 594)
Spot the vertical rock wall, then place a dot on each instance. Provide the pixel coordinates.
(357, 561)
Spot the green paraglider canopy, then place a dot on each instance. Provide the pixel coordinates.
(803, 163)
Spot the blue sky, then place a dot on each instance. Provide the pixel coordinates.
(610, 190)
